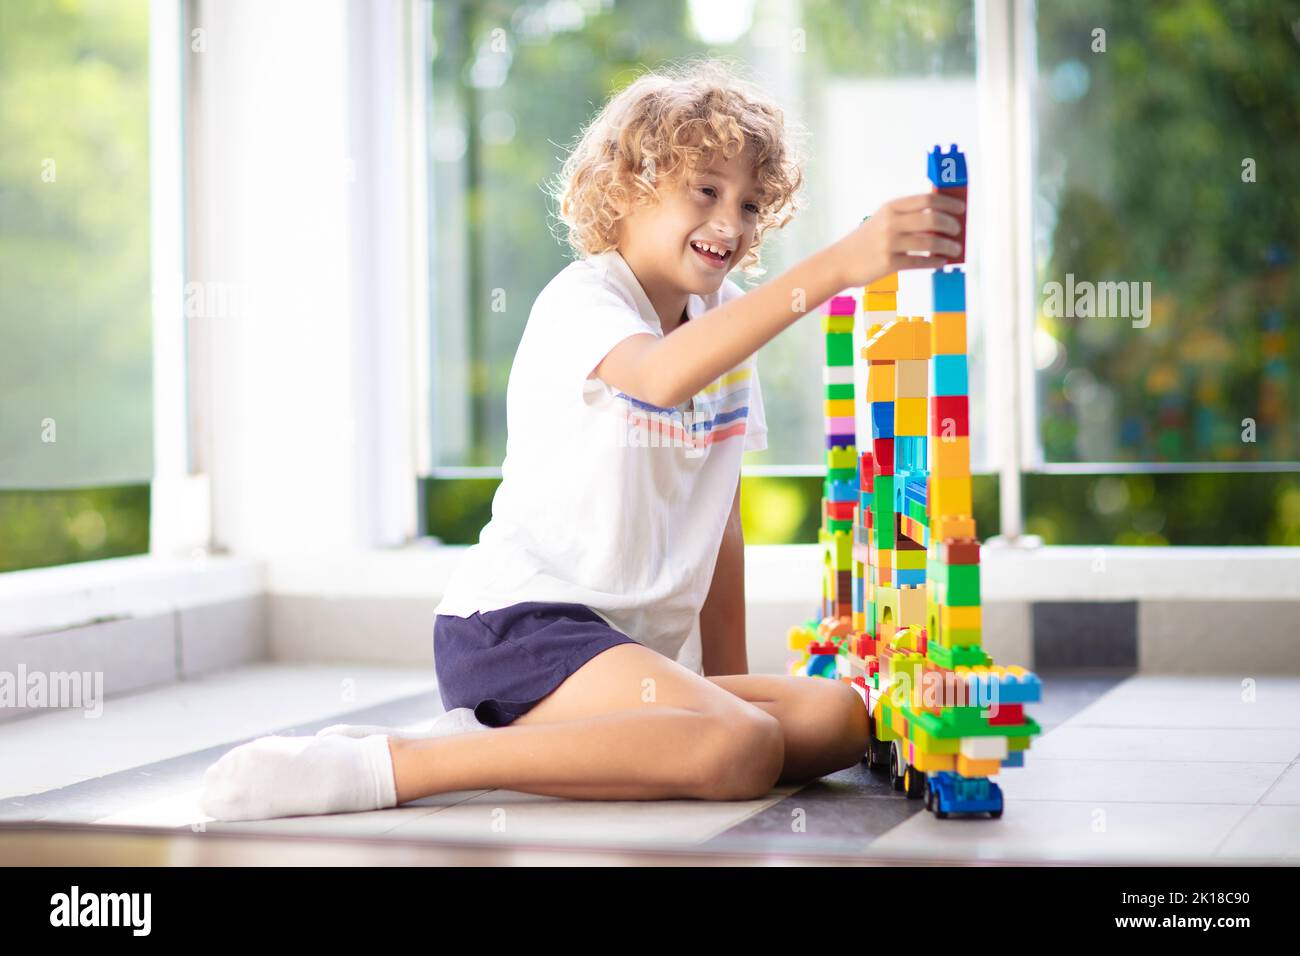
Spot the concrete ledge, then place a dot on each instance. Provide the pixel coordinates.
(142, 621)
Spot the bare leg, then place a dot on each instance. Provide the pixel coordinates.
(629, 725)
(824, 721)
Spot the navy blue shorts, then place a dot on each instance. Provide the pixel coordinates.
(503, 662)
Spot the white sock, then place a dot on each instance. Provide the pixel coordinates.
(295, 776)
(459, 720)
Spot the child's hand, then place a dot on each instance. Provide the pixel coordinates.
(889, 241)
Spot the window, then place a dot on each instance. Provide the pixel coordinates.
(76, 420)
(1166, 228)
(514, 82)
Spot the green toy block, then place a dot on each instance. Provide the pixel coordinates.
(839, 348)
(839, 391)
(951, 657)
(962, 580)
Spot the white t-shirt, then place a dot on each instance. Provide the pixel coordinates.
(604, 500)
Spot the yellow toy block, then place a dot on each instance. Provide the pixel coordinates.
(837, 323)
(838, 549)
(910, 560)
(948, 496)
(880, 301)
(951, 458)
(859, 620)
(842, 457)
(839, 407)
(886, 608)
(948, 333)
(887, 283)
(910, 417)
(907, 637)
(959, 618)
(880, 382)
(949, 746)
(912, 378)
(798, 638)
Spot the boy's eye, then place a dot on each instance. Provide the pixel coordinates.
(751, 207)
(708, 190)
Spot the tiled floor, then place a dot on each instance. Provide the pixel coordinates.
(1141, 769)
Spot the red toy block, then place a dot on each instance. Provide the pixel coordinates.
(1008, 715)
(884, 452)
(840, 510)
(950, 416)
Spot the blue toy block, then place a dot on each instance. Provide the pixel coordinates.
(841, 490)
(910, 453)
(1011, 690)
(947, 169)
(909, 576)
(951, 793)
(822, 665)
(840, 441)
(949, 374)
(949, 290)
(1015, 758)
(882, 419)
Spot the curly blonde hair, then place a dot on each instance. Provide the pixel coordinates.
(663, 126)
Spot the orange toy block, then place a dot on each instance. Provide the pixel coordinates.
(948, 333)
(887, 283)
(943, 527)
(950, 459)
(881, 379)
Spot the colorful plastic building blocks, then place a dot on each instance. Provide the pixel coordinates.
(900, 616)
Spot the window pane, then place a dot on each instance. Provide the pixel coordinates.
(877, 86)
(75, 322)
(1167, 137)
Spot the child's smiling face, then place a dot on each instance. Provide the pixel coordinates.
(701, 227)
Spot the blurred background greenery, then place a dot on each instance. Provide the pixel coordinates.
(1138, 178)
(75, 316)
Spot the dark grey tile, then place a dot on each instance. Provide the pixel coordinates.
(846, 811)
(1078, 634)
(842, 812)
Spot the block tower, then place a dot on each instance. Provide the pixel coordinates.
(900, 617)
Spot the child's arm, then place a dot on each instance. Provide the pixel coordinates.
(722, 618)
(667, 371)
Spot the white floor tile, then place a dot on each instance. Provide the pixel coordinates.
(1135, 781)
(1286, 790)
(1187, 702)
(1266, 833)
(62, 747)
(1194, 745)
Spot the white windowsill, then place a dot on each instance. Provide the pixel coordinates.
(48, 599)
